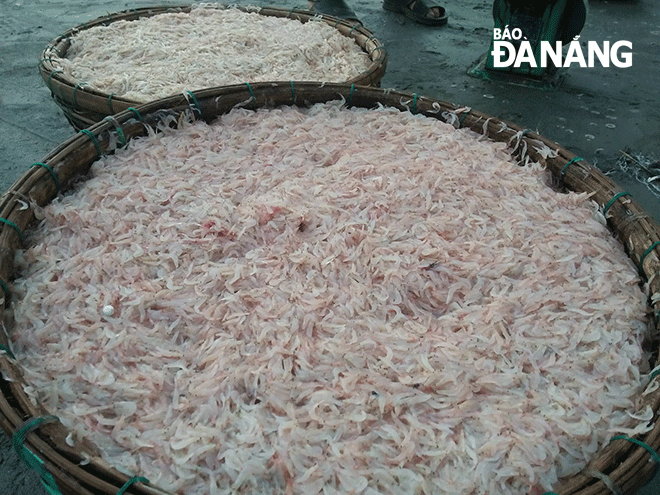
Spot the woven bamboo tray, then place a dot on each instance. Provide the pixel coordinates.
(84, 106)
(624, 461)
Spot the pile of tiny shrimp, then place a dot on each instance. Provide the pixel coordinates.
(331, 300)
(166, 54)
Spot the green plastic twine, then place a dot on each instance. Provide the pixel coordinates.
(5, 289)
(75, 99)
(293, 93)
(414, 105)
(8, 351)
(377, 48)
(13, 226)
(251, 92)
(648, 448)
(550, 493)
(51, 172)
(50, 77)
(353, 28)
(137, 114)
(118, 128)
(136, 479)
(91, 136)
(568, 164)
(197, 107)
(350, 95)
(611, 201)
(646, 253)
(607, 481)
(522, 135)
(110, 103)
(18, 439)
(462, 119)
(33, 461)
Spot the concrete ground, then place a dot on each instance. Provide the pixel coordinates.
(598, 113)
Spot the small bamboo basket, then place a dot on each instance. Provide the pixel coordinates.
(84, 106)
(80, 470)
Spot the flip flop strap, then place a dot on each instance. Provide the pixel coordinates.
(419, 7)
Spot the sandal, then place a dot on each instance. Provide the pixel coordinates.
(335, 8)
(418, 11)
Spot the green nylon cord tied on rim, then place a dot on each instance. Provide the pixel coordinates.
(646, 253)
(13, 226)
(462, 119)
(570, 162)
(32, 460)
(110, 102)
(251, 92)
(136, 479)
(611, 201)
(75, 89)
(95, 141)
(7, 350)
(607, 481)
(648, 448)
(377, 48)
(18, 438)
(118, 128)
(50, 77)
(414, 105)
(196, 103)
(137, 114)
(520, 139)
(350, 96)
(51, 172)
(5, 289)
(293, 93)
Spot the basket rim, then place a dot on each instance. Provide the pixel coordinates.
(78, 96)
(622, 461)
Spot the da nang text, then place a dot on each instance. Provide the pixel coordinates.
(507, 53)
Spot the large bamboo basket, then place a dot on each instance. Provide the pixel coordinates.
(84, 106)
(624, 461)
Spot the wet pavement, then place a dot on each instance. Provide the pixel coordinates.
(610, 116)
